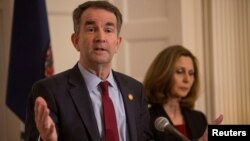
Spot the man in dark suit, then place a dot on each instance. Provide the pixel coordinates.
(68, 106)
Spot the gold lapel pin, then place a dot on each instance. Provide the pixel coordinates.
(130, 97)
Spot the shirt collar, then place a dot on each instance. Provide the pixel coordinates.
(93, 80)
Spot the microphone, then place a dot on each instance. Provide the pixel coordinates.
(162, 124)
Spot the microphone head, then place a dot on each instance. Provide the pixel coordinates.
(161, 123)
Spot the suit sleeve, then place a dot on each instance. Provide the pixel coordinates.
(31, 132)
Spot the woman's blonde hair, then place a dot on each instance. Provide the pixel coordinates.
(158, 79)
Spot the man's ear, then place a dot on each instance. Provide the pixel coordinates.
(118, 43)
(74, 40)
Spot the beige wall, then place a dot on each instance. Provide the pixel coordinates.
(9, 124)
(227, 58)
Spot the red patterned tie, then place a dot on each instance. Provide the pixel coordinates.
(110, 125)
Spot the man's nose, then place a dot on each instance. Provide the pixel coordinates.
(100, 36)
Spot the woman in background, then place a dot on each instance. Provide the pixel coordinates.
(171, 86)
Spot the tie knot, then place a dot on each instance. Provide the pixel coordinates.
(104, 86)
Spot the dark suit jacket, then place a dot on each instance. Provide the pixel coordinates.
(71, 108)
(195, 121)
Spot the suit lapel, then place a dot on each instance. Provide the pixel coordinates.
(190, 122)
(81, 98)
(128, 105)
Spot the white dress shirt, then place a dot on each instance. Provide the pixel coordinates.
(92, 82)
